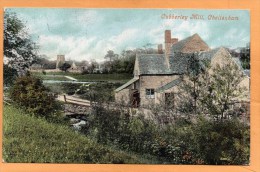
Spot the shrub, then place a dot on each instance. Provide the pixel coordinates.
(43, 72)
(70, 88)
(10, 75)
(225, 142)
(30, 93)
(102, 91)
(204, 142)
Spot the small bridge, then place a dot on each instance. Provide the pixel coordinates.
(74, 106)
(73, 100)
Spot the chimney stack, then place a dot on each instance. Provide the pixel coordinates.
(169, 41)
(174, 40)
(168, 44)
(168, 36)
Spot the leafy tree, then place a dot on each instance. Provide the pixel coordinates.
(92, 66)
(210, 90)
(225, 142)
(245, 60)
(65, 66)
(10, 75)
(222, 89)
(19, 50)
(191, 86)
(30, 93)
(111, 55)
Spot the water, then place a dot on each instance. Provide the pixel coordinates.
(73, 82)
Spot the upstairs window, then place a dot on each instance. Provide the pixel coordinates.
(149, 93)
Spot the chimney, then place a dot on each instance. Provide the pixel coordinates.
(168, 36)
(160, 49)
(174, 40)
(168, 44)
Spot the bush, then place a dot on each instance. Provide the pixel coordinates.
(43, 72)
(30, 93)
(225, 142)
(102, 91)
(70, 88)
(10, 75)
(204, 142)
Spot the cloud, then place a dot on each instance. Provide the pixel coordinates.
(90, 33)
(80, 48)
(71, 47)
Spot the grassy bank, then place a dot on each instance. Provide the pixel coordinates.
(29, 139)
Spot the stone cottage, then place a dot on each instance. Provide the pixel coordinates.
(156, 76)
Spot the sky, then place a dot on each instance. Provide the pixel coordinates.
(85, 34)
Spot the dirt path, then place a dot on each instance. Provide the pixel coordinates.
(71, 78)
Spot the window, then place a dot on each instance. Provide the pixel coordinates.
(149, 93)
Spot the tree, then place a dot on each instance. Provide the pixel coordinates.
(30, 93)
(191, 87)
(225, 142)
(222, 89)
(10, 75)
(210, 89)
(111, 55)
(93, 66)
(19, 50)
(65, 66)
(245, 60)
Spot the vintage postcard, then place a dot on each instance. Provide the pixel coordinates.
(126, 86)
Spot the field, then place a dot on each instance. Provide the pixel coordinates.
(31, 139)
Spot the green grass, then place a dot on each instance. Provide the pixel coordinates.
(86, 77)
(51, 77)
(28, 139)
(104, 77)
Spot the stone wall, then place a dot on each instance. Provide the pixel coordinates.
(71, 109)
(153, 82)
(123, 96)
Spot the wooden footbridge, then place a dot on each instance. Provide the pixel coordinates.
(74, 100)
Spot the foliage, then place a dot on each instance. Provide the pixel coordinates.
(191, 87)
(69, 88)
(245, 60)
(29, 139)
(30, 93)
(99, 92)
(10, 75)
(212, 90)
(222, 89)
(123, 63)
(204, 142)
(64, 67)
(93, 67)
(19, 49)
(225, 142)
(111, 55)
(44, 61)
